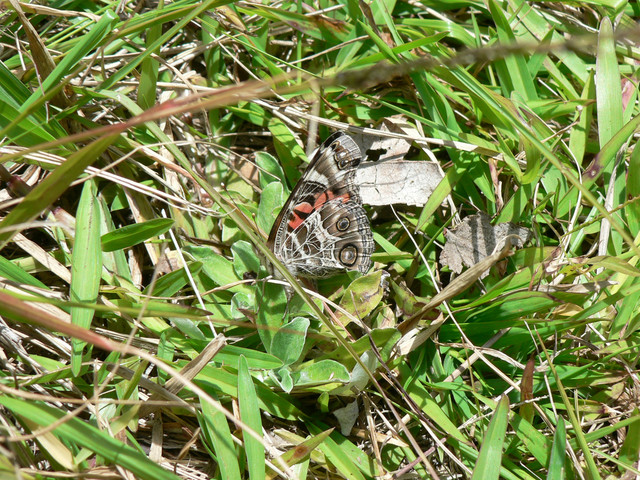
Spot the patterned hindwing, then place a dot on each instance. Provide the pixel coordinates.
(329, 176)
(334, 238)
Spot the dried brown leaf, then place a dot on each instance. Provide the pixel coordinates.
(475, 239)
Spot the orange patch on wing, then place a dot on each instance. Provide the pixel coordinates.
(299, 215)
(302, 210)
(326, 196)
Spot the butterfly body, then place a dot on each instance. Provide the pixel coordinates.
(323, 229)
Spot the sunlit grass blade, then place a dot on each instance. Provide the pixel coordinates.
(578, 139)
(557, 457)
(535, 441)
(13, 272)
(608, 89)
(490, 457)
(515, 75)
(69, 63)
(86, 266)
(177, 27)
(131, 235)
(250, 415)
(21, 130)
(215, 429)
(344, 454)
(607, 155)
(149, 68)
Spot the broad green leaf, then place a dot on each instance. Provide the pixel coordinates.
(272, 303)
(533, 439)
(362, 296)
(171, 283)
(383, 338)
(288, 342)
(285, 380)
(270, 169)
(215, 266)
(406, 299)
(271, 201)
(359, 378)
(289, 151)
(244, 258)
(321, 372)
(230, 355)
(252, 113)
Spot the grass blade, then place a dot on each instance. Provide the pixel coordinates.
(216, 430)
(76, 432)
(490, 457)
(47, 191)
(131, 235)
(250, 415)
(556, 459)
(608, 89)
(86, 266)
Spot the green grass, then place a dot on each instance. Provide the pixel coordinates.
(145, 151)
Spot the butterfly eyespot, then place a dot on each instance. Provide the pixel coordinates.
(349, 255)
(344, 163)
(343, 224)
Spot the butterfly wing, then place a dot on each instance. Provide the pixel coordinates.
(326, 185)
(333, 238)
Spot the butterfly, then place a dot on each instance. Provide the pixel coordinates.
(322, 230)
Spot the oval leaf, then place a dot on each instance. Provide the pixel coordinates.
(362, 296)
(288, 342)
